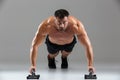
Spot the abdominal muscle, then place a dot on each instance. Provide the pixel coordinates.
(61, 41)
(61, 38)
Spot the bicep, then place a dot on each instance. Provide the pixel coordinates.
(37, 40)
(84, 40)
(40, 35)
(82, 35)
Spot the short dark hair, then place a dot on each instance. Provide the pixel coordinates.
(61, 13)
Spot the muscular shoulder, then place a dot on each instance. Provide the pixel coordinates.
(47, 21)
(77, 25)
(50, 20)
(72, 20)
(45, 25)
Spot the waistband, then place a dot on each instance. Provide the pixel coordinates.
(47, 40)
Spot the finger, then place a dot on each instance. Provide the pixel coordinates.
(91, 69)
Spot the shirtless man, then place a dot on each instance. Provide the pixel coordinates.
(59, 31)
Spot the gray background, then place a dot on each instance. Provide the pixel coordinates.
(19, 20)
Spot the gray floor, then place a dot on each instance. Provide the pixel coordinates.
(74, 72)
(57, 75)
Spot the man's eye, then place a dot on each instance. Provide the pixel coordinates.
(64, 22)
(59, 22)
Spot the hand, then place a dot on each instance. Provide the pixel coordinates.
(32, 68)
(91, 68)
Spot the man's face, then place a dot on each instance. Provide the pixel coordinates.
(61, 24)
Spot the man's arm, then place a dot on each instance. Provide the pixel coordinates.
(84, 39)
(38, 39)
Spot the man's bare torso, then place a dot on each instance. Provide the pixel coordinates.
(61, 37)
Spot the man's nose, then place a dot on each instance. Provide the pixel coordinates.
(61, 25)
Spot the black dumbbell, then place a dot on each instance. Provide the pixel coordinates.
(90, 75)
(33, 76)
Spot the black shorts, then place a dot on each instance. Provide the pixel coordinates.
(54, 48)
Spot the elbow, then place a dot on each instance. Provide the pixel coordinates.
(89, 46)
(34, 45)
(34, 48)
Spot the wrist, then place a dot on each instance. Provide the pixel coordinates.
(90, 66)
(33, 66)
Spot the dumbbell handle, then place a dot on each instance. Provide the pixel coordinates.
(33, 71)
(90, 72)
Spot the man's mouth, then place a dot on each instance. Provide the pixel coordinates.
(61, 29)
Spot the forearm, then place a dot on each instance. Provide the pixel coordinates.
(89, 53)
(37, 41)
(33, 55)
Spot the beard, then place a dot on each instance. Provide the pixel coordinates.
(61, 29)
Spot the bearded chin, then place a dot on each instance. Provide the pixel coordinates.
(61, 29)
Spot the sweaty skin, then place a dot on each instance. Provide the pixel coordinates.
(61, 32)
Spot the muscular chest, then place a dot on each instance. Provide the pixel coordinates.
(54, 33)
